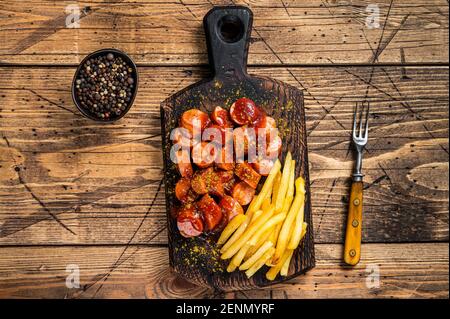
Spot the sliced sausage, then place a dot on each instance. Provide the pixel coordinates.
(246, 173)
(265, 121)
(189, 222)
(214, 133)
(243, 193)
(225, 176)
(183, 191)
(263, 165)
(212, 214)
(221, 117)
(265, 124)
(231, 207)
(207, 181)
(182, 137)
(182, 188)
(244, 111)
(194, 117)
(204, 154)
(228, 186)
(198, 183)
(184, 163)
(274, 147)
(228, 180)
(225, 163)
(214, 183)
(244, 138)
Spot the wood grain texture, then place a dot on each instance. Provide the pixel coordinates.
(169, 32)
(103, 181)
(67, 181)
(406, 270)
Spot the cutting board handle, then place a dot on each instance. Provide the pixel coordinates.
(227, 31)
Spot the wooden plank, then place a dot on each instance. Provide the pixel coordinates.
(285, 32)
(405, 271)
(102, 181)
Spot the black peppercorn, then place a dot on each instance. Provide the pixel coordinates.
(104, 86)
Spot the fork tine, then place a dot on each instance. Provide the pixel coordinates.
(354, 120)
(361, 119)
(366, 131)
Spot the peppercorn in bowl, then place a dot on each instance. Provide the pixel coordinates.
(105, 85)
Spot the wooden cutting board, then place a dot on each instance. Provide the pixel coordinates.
(227, 32)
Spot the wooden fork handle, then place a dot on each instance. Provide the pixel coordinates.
(352, 248)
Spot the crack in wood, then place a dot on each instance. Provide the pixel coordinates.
(79, 202)
(49, 28)
(327, 111)
(288, 69)
(377, 52)
(51, 102)
(188, 9)
(119, 261)
(386, 174)
(326, 204)
(375, 181)
(35, 197)
(285, 9)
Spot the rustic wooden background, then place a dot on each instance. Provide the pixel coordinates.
(76, 192)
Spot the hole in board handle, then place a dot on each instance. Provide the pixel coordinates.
(231, 28)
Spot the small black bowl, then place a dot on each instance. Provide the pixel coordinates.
(104, 52)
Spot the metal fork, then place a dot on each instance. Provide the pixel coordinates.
(352, 249)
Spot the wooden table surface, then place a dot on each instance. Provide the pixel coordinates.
(75, 192)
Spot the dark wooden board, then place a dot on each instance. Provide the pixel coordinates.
(230, 82)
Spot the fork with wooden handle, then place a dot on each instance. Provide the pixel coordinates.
(352, 248)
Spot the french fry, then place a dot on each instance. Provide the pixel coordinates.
(258, 199)
(261, 250)
(269, 194)
(285, 210)
(264, 238)
(287, 201)
(231, 227)
(273, 271)
(295, 238)
(234, 248)
(290, 189)
(276, 186)
(278, 218)
(281, 194)
(283, 237)
(237, 259)
(256, 216)
(274, 235)
(237, 234)
(260, 262)
(231, 267)
(252, 203)
(265, 204)
(285, 267)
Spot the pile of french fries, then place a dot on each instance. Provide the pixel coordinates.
(271, 228)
